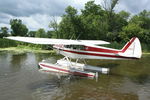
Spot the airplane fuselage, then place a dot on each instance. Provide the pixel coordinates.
(129, 51)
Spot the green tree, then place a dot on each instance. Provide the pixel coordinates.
(40, 33)
(18, 28)
(94, 21)
(109, 8)
(142, 19)
(49, 34)
(92, 8)
(120, 20)
(32, 33)
(139, 25)
(69, 27)
(4, 32)
(55, 26)
(131, 30)
(123, 14)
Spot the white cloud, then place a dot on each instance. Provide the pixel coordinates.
(133, 6)
(34, 22)
(4, 25)
(38, 13)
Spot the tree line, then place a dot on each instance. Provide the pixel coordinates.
(94, 21)
(20, 29)
(102, 23)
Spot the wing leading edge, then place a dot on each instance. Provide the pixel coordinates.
(57, 41)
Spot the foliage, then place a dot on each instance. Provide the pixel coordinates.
(53, 24)
(18, 28)
(69, 27)
(7, 43)
(139, 26)
(125, 15)
(31, 33)
(94, 22)
(129, 31)
(4, 32)
(49, 34)
(142, 19)
(40, 33)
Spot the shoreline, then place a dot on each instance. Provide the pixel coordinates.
(24, 50)
(35, 50)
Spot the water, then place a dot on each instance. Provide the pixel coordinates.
(21, 80)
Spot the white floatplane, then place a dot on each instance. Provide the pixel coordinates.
(83, 49)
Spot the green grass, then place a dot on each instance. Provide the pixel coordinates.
(145, 48)
(10, 45)
(4, 43)
(24, 49)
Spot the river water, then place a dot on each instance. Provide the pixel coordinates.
(21, 80)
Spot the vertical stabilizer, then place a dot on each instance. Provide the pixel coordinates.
(132, 49)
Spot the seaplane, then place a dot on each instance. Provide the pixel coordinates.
(78, 50)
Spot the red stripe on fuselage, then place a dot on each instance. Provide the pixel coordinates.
(94, 49)
(75, 73)
(101, 55)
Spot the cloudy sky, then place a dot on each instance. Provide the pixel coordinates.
(37, 14)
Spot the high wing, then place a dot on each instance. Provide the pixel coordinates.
(57, 41)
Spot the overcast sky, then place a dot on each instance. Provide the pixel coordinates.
(37, 14)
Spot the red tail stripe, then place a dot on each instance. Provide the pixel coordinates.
(128, 44)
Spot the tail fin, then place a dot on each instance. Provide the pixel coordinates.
(132, 49)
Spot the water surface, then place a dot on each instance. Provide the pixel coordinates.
(21, 80)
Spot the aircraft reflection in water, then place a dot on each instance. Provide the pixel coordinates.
(83, 49)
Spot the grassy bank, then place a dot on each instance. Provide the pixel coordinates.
(4, 43)
(21, 47)
(24, 49)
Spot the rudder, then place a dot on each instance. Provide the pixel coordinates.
(132, 49)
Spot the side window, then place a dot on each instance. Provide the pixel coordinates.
(81, 47)
(77, 47)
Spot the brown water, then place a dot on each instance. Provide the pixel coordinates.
(21, 80)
